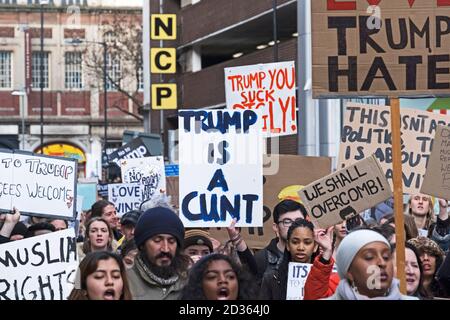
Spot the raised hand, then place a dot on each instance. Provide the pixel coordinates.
(324, 238)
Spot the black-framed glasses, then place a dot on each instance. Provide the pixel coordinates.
(286, 222)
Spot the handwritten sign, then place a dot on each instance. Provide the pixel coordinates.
(125, 196)
(380, 47)
(367, 130)
(297, 275)
(39, 268)
(38, 185)
(345, 193)
(149, 172)
(292, 170)
(220, 168)
(134, 149)
(266, 87)
(437, 177)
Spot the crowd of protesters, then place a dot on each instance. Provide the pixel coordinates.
(149, 255)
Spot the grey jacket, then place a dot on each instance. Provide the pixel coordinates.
(147, 289)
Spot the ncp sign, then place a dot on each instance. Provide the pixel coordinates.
(163, 60)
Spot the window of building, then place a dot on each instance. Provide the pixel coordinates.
(5, 69)
(35, 69)
(114, 73)
(73, 76)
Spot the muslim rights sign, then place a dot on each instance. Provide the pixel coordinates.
(220, 168)
(39, 268)
(267, 87)
(38, 185)
(345, 193)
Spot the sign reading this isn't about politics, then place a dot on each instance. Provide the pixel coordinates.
(221, 174)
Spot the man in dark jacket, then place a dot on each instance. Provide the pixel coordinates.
(284, 214)
(160, 267)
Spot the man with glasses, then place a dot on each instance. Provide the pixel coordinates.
(284, 214)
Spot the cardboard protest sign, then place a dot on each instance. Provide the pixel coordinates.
(367, 130)
(39, 268)
(172, 185)
(267, 87)
(437, 177)
(345, 193)
(38, 185)
(292, 170)
(148, 172)
(134, 149)
(220, 168)
(297, 275)
(385, 48)
(125, 196)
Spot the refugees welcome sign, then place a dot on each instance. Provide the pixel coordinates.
(38, 185)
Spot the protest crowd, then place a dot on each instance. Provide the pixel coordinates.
(150, 255)
(372, 225)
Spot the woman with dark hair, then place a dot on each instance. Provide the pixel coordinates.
(413, 270)
(102, 276)
(300, 247)
(98, 237)
(217, 277)
(431, 256)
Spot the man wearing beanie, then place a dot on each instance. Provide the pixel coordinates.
(160, 268)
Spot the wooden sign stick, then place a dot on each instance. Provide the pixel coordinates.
(398, 192)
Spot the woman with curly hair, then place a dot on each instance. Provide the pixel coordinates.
(431, 256)
(102, 276)
(218, 277)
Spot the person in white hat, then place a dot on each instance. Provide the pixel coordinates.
(365, 266)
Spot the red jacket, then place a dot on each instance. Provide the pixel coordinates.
(321, 281)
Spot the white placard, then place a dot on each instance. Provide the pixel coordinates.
(269, 88)
(39, 268)
(149, 172)
(38, 185)
(220, 168)
(125, 196)
(297, 275)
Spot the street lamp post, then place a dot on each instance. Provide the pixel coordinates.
(22, 94)
(105, 98)
(105, 88)
(41, 72)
